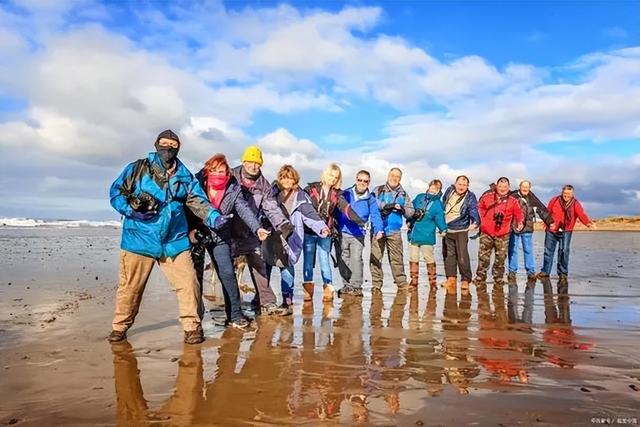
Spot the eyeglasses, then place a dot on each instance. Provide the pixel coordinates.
(366, 181)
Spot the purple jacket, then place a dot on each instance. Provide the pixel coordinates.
(281, 253)
(264, 206)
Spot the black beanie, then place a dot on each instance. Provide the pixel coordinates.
(168, 134)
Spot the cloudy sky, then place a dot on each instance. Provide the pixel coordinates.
(543, 90)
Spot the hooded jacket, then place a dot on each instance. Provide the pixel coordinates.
(564, 218)
(531, 205)
(491, 205)
(385, 195)
(327, 209)
(366, 207)
(276, 250)
(468, 210)
(423, 232)
(263, 205)
(164, 235)
(232, 203)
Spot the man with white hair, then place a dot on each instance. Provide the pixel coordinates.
(531, 206)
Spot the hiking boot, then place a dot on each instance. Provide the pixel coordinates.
(241, 323)
(194, 337)
(287, 309)
(464, 285)
(563, 280)
(272, 309)
(307, 288)
(511, 278)
(345, 290)
(376, 290)
(414, 273)
(542, 275)
(402, 286)
(117, 336)
(327, 292)
(451, 283)
(531, 277)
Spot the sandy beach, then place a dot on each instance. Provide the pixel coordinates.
(514, 355)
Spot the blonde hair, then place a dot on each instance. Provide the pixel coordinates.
(288, 171)
(326, 175)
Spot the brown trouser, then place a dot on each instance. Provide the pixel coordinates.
(393, 244)
(134, 273)
(258, 272)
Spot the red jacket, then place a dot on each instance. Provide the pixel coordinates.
(565, 219)
(491, 204)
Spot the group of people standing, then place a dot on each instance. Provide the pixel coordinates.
(173, 218)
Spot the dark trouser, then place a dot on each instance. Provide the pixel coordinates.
(220, 254)
(455, 252)
(563, 241)
(488, 245)
(393, 244)
(258, 271)
(350, 263)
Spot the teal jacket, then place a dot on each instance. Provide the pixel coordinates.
(423, 232)
(164, 235)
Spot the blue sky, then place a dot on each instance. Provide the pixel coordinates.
(548, 91)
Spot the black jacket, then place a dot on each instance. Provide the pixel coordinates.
(232, 203)
(530, 205)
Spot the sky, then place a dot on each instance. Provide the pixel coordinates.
(542, 90)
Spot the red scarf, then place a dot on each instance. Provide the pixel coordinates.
(216, 184)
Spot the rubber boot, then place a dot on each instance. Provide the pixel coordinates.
(431, 271)
(414, 273)
(307, 287)
(327, 292)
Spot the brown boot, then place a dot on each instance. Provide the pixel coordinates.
(431, 272)
(327, 292)
(307, 288)
(464, 285)
(450, 284)
(414, 273)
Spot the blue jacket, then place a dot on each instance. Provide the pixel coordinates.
(423, 232)
(386, 196)
(468, 211)
(164, 235)
(365, 207)
(232, 202)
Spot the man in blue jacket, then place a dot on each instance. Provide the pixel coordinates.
(351, 242)
(461, 215)
(395, 206)
(151, 194)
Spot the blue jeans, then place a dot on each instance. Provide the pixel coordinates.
(563, 241)
(287, 278)
(527, 249)
(311, 241)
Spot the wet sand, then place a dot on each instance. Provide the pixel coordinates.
(514, 355)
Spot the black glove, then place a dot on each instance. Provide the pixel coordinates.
(389, 207)
(221, 220)
(418, 214)
(143, 216)
(286, 230)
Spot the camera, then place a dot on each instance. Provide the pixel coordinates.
(143, 202)
(498, 218)
(203, 238)
(419, 214)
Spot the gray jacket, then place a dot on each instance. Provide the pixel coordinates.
(264, 205)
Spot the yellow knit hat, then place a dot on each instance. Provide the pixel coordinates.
(252, 154)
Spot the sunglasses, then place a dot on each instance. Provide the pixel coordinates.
(366, 181)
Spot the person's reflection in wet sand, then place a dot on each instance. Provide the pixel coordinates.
(347, 352)
(459, 369)
(559, 334)
(496, 354)
(422, 361)
(513, 303)
(178, 410)
(258, 381)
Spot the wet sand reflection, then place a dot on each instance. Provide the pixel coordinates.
(367, 361)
